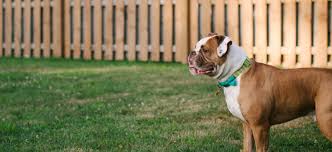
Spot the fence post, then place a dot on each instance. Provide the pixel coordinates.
(181, 30)
(57, 28)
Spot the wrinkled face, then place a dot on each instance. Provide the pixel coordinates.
(204, 59)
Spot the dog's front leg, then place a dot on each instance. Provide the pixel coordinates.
(247, 138)
(261, 137)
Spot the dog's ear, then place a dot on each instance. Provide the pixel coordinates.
(212, 34)
(224, 43)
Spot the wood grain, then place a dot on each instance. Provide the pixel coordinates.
(143, 27)
(155, 35)
(47, 28)
(305, 33)
(37, 28)
(261, 29)
(131, 30)
(247, 38)
(275, 32)
(27, 28)
(18, 26)
(119, 55)
(168, 30)
(182, 31)
(87, 30)
(98, 30)
(109, 30)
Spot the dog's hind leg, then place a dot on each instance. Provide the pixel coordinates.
(324, 115)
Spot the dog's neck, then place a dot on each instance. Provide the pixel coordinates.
(234, 60)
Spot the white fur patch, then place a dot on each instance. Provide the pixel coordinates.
(222, 48)
(200, 43)
(231, 95)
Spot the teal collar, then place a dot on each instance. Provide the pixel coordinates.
(231, 81)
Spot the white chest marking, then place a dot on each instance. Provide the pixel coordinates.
(231, 95)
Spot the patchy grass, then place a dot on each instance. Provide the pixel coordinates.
(58, 105)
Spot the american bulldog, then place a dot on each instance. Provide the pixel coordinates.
(261, 95)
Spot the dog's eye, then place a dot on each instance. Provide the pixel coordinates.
(204, 50)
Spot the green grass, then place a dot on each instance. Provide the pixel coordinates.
(61, 105)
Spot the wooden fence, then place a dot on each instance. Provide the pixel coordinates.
(292, 33)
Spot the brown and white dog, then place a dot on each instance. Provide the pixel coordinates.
(262, 95)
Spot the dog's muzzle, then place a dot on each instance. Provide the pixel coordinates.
(197, 66)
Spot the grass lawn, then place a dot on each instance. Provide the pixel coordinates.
(59, 105)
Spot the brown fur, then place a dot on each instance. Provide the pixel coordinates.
(270, 96)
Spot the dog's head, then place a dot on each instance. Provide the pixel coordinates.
(209, 54)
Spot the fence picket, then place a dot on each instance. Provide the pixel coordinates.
(67, 33)
(27, 28)
(57, 28)
(233, 22)
(261, 29)
(18, 24)
(219, 17)
(8, 31)
(108, 30)
(206, 18)
(305, 33)
(247, 27)
(37, 28)
(290, 33)
(87, 30)
(193, 23)
(168, 30)
(155, 35)
(77, 28)
(181, 28)
(131, 30)
(119, 30)
(320, 36)
(98, 30)
(275, 32)
(47, 28)
(1, 28)
(143, 25)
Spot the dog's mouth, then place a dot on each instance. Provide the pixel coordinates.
(199, 71)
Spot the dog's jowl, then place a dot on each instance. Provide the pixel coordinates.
(261, 95)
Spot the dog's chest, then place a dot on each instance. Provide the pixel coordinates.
(231, 95)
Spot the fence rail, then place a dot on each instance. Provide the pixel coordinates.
(291, 33)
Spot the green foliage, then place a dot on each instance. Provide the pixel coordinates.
(61, 105)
